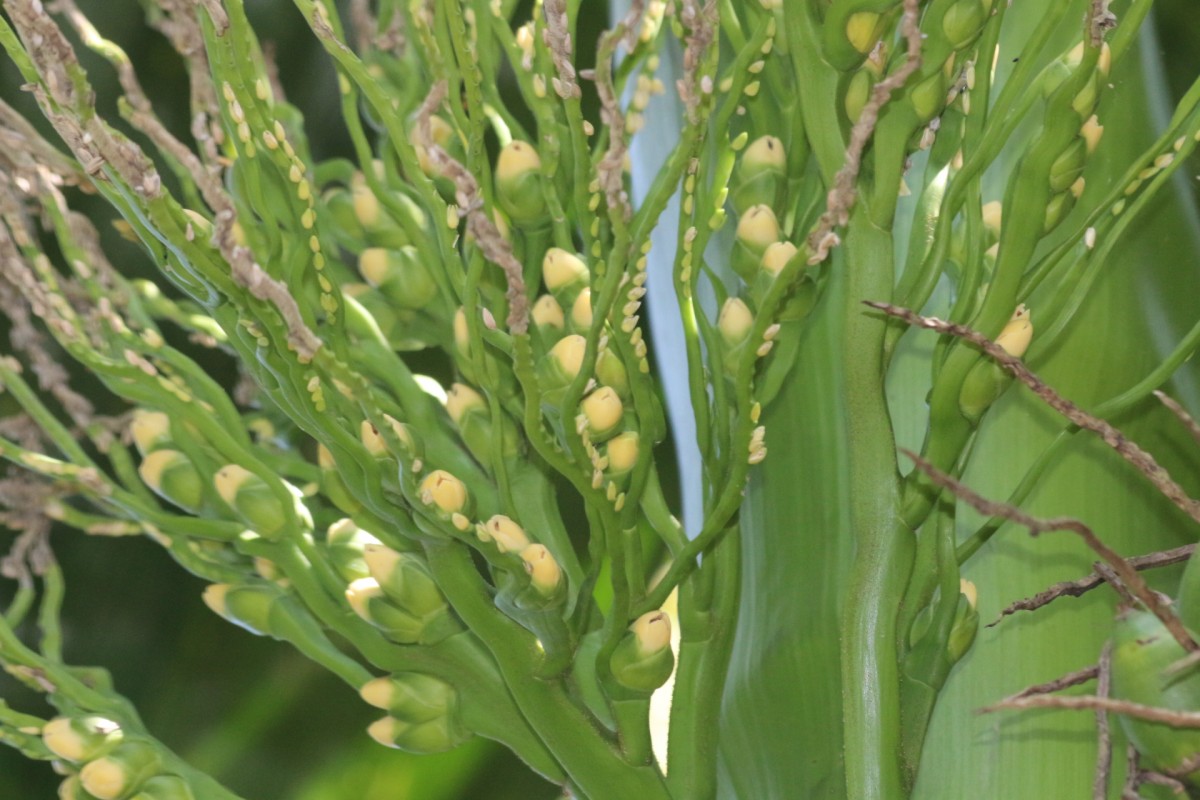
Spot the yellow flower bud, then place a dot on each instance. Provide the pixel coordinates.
(993, 216)
(441, 489)
(548, 313)
(508, 536)
(516, 159)
(735, 321)
(77, 739)
(1091, 132)
(567, 354)
(544, 572)
(862, 30)
(581, 310)
(603, 409)
(777, 256)
(758, 229)
(1017, 334)
(561, 269)
(622, 452)
(149, 429)
(462, 400)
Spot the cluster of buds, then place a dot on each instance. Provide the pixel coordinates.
(543, 584)
(422, 713)
(105, 764)
(400, 598)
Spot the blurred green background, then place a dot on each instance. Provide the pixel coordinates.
(250, 711)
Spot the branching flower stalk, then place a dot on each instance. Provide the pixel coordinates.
(491, 550)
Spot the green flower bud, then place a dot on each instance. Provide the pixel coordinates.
(966, 623)
(151, 430)
(1142, 649)
(1057, 209)
(249, 606)
(173, 477)
(761, 176)
(963, 21)
(774, 259)
(436, 736)
(519, 189)
(399, 275)
(603, 412)
(507, 535)
(987, 380)
(332, 485)
(164, 787)
(406, 580)
(1067, 168)
(119, 774)
(757, 230)
(928, 97)
(411, 697)
(252, 498)
(346, 542)
(72, 789)
(339, 205)
(369, 601)
(79, 739)
(642, 660)
(858, 92)
(611, 372)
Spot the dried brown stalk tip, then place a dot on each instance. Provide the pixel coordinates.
(1082, 586)
(701, 24)
(1091, 702)
(557, 37)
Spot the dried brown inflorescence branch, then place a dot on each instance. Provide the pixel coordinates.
(1127, 449)
(23, 500)
(1091, 702)
(1100, 22)
(701, 24)
(1124, 574)
(1193, 428)
(1082, 586)
(1103, 734)
(611, 169)
(844, 191)
(495, 248)
(557, 37)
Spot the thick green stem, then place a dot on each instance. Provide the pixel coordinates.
(884, 550)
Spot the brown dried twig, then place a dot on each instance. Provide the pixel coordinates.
(1180, 413)
(1103, 734)
(1036, 525)
(1091, 702)
(1082, 586)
